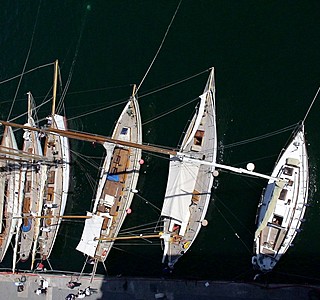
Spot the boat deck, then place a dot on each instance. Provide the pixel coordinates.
(119, 179)
(202, 146)
(55, 195)
(281, 212)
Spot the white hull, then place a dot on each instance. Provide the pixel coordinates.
(55, 199)
(283, 205)
(9, 193)
(117, 183)
(32, 203)
(189, 183)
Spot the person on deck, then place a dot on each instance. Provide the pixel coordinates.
(73, 284)
(71, 297)
(81, 294)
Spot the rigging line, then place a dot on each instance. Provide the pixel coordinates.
(29, 71)
(137, 244)
(170, 111)
(159, 156)
(83, 157)
(256, 159)
(98, 110)
(64, 92)
(235, 233)
(136, 230)
(148, 202)
(25, 113)
(171, 84)
(99, 89)
(314, 99)
(141, 96)
(26, 61)
(230, 211)
(70, 93)
(161, 44)
(263, 136)
(89, 178)
(138, 226)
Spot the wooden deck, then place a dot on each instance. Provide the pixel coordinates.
(120, 178)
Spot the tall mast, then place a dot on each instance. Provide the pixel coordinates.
(101, 139)
(29, 106)
(134, 90)
(83, 136)
(55, 83)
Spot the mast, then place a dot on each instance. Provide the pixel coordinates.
(102, 139)
(93, 138)
(29, 106)
(55, 83)
(134, 90)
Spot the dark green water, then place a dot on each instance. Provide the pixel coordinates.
(266, 56)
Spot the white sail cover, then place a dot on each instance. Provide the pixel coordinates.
(92, 228)
(276, 189)
(203, 98)
(181, 183)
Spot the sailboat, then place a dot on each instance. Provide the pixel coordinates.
(116, 187)
(190, 180)
(282, 205)
(57, 150)
(32, 202)
(10, 207)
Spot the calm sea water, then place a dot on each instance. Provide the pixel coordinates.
(266, 57)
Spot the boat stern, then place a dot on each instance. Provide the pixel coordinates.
(264, 263)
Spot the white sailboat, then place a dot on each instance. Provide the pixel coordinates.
(55, 198)
(10, 208)
(190, 180)
(283, 204)
(117, 184)
(32, 203)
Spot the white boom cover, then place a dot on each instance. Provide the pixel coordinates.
(92, 228)
(203, 98)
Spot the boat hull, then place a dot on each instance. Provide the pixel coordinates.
(117, 185)
(56, 190)
(32, 203)
(190, 181)
(283, 205)
(9, 192)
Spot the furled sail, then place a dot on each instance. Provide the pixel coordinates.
(181, 183)
(91, 231)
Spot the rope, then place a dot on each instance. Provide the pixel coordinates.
(235, 233)
(148, 202)
(29, 71)
(165, 35)
(64, 92)
(26, 61)
(229, 210)
(147, 93)
(138, 226)
(169, 112)
(260, 137)
(314, 99)
(98, 110)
